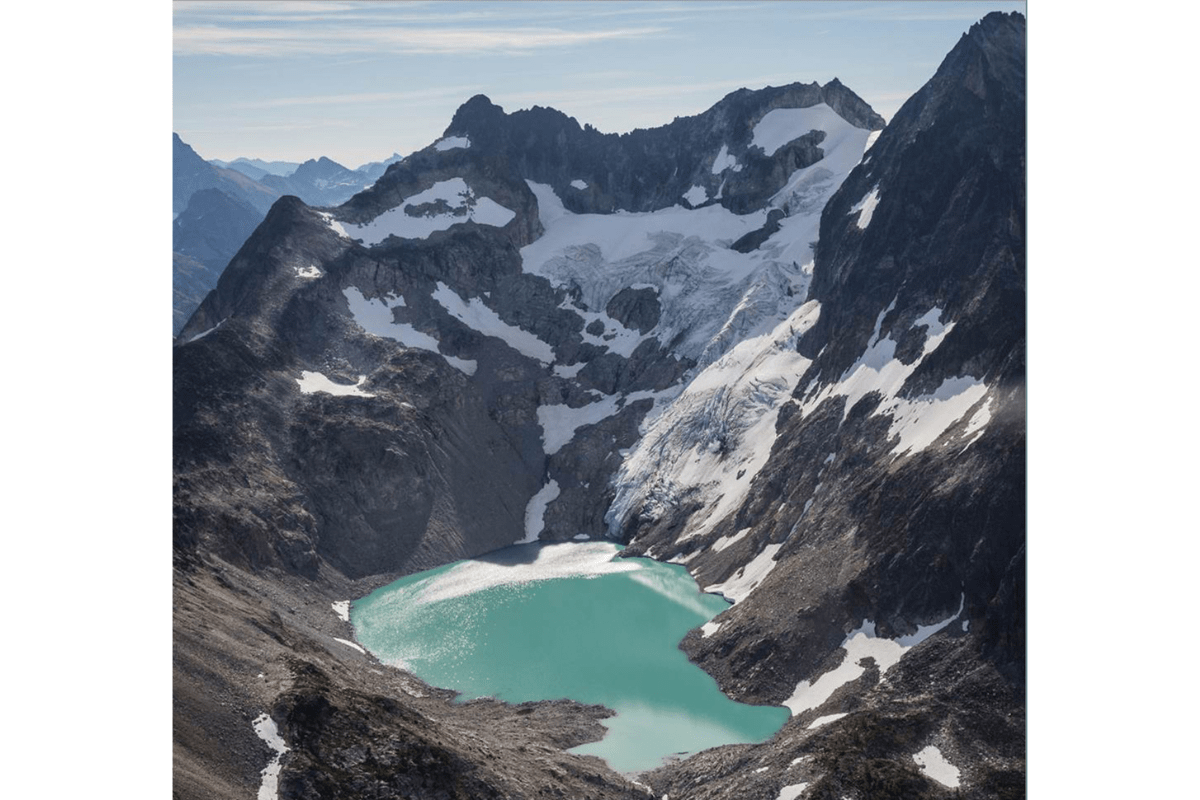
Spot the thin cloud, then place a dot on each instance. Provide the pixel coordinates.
(361, 97)
(279, 41)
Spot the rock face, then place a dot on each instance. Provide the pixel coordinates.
(532, 330)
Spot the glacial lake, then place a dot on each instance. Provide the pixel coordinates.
(540, 622)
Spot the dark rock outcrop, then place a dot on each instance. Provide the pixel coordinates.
(651, 169)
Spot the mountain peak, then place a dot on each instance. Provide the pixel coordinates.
(475, 116)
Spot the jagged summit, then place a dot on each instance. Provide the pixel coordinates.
(726, 155)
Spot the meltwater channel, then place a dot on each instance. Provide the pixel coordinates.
(541, 622)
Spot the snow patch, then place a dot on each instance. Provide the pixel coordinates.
(342, 609)
(725, 161)
(560, 422)
(333, 224)
(721, 544)
(871, 141)
(569, 372)
(696, 195)
(451, 143)
(456, 203)
(934, 764)
(866, 208)
(792, 792)
(860, 644)
(917, 422)
(747, 579)
(535, 511)
(375, 317)
(308, 272)
(266, 730)
(579, 184)
(709, 628)
(920, 421)
(825, 720)
(477, 316)
(977, 423)
(202, 334)
(348, 643)
(782, 125)
(312, 382)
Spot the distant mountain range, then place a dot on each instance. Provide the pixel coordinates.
(217, 205)
(256, 168)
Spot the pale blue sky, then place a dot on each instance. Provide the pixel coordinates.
(358, 81)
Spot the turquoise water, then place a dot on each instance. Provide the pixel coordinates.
(539, 622)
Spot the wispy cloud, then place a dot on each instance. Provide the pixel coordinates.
(300, 41)
(438, 93)
(185, 130)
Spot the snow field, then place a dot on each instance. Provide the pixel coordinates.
(724, 161)
(266, 730)
(696, 195)
(615, 337)
(748, 578)
(977, 423)
(333, 224)
(313, 382)
(349, 643)
(865, 208)
(579, 184)
(535, 511)
(861, 643)
(454, 192)
(782, 125)
(933, 763)
(916, 422)
(792, 792)
(375, 317)
(825, 720)
(342, 609)
(871, 142)
(477, 316)
(451, 143)
(722, 543)
(560, 422)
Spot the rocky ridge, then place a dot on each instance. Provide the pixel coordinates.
(368, 386)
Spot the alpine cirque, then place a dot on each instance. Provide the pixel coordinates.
(779, 343)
